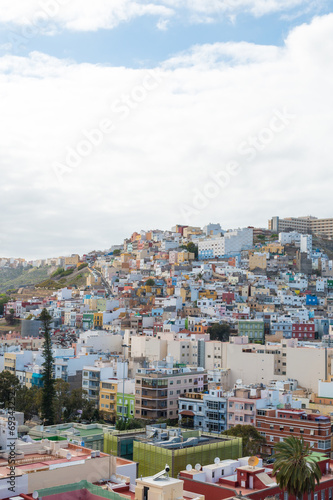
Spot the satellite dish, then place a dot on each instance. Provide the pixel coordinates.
(216, 460)
(188, 467)
(35, 494)
(197, 467)
(69, 456)
(239, 381)
(253, 461)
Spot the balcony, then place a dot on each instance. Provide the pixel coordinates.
(155, 387)
(153, 394)
(152, 405)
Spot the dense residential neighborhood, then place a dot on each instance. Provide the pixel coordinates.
(176, 344)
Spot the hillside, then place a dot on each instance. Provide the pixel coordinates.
(323, 244)
(15, 278)
(61, 279)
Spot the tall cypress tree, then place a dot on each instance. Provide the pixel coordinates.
(48, 394)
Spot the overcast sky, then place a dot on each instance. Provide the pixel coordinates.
(125, 115)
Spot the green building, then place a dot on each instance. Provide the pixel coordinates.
(88, 321)
(88, 435)
(120, 443)
(253, 329)
(129, 405)
(201, 448)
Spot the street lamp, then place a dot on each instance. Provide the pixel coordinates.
(123, 405)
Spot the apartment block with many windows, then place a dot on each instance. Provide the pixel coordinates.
(277, 424)
(157, 392)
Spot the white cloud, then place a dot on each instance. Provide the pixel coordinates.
(163, 24)
(209, 102)
(85, 15)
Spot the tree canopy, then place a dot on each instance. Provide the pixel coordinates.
(252, 439)
(219, 332)
(9, 385)
(48, 396)
(3, 300)
(295, 467)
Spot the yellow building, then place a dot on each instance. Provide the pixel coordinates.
(72, 261)
(208, 294)
(28, 379)
(108, 398)
(257, 261)
(98, 319)
(188, 231)
(274, 248)
(125, 257)
(10, 362)
(92, 280)
(184, 256)
(96, 304)
(185, 293)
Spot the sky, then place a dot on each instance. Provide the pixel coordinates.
(124, 115)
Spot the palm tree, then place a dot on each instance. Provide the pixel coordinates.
(296, 469)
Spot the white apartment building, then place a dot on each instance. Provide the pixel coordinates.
(290, 238)
(231, 243)
(306, 243)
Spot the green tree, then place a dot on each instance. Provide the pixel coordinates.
(29, 401)
(150, 282)
(192, 248)
(116, 252)
(3, 300)
(89, 411)
(61, 400)
(10, 317)
(48, 368)
(296, 469)
(219, 332)
(132, 423)
(76, 402)
(9, 385)
(251, 438)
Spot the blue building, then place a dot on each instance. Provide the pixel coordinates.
(207, 412)
(312, 300)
